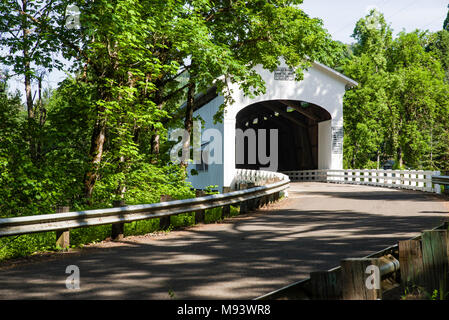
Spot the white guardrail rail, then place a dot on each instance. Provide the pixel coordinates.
(64, 221)
(402, 179)
(258, 177)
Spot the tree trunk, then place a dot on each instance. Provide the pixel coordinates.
(96, 154)
(378, 159)
(26, 59)
(188, 123)
(155, 143)
(400, 157)
(27, 81)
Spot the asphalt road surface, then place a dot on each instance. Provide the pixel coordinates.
(241, 258)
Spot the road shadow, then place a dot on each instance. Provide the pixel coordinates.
(243, 258)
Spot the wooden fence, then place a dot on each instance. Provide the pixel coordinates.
(420, 263)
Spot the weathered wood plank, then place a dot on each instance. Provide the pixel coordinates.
(436, 260)
(411, 262)
(326, 285)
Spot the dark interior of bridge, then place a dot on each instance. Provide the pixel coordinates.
(297, 125)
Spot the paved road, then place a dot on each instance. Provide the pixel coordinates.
(242, 258)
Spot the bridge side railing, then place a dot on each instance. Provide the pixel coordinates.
(402, 179)
(258, 177)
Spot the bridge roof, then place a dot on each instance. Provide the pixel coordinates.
(203, 98)
(336, 74)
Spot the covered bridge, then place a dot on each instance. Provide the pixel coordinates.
(303, 122)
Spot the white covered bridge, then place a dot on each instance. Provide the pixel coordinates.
(305, 118)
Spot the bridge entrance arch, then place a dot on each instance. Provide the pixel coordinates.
(281, 135)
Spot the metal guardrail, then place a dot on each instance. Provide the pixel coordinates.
(63, 221)
(441, 180)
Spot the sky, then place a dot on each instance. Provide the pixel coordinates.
(339, 18)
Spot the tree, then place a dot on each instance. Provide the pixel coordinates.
(23, 26)
(418, 107)
(399, 109)
(446, 22)
(439, 46)
(365, 106)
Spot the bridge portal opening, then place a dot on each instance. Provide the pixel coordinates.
(297, 128)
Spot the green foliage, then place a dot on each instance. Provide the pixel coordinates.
(26, 190)
(400, 109)
(439, 46)
(24, 28)
(145, 184)
(213, 215)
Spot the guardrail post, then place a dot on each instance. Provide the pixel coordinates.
(413, 181)
(252, 204)
(200, 214)
(272, 198)
(381, 180)
(389, 181)
(265, 200)
(243, 204)
(118, 229)
(164, 222)
(437, 188)
(326, 285)
(226, 210)
(410, 260)
(357, 284)
(427, 185)
(63, 236)
(436, 260)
